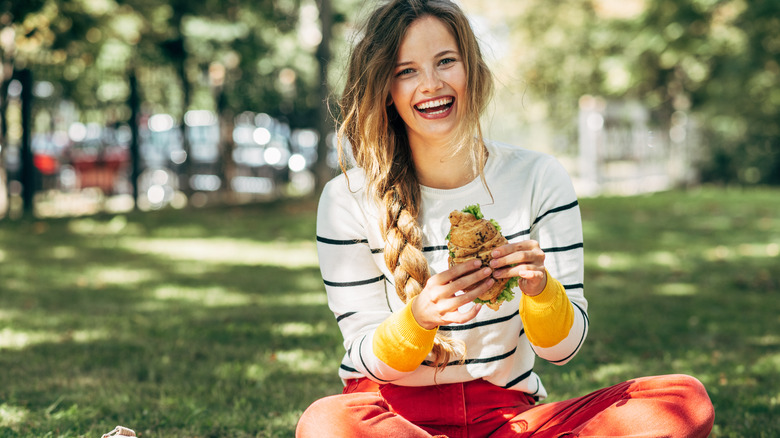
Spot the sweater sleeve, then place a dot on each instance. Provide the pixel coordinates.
(401, 343)
(549, 316)
(381, 345)
(556, 320)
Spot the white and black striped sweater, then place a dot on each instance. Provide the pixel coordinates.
(534, 199)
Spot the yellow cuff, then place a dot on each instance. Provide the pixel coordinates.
(549, 316)
(401, 343)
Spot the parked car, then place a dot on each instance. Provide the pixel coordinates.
(100, 156)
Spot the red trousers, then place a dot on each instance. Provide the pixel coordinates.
(662, 406)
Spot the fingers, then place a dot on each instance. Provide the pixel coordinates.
(455, 272)
(521, 259)
(442, 300)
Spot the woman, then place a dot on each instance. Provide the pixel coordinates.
(422, 359)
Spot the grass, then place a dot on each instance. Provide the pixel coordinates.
(214, 323)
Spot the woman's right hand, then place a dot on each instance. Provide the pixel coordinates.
(445, 293)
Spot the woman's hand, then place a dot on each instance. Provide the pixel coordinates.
(522, 259)
(445, 293)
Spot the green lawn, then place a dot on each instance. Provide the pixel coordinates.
(214, 323)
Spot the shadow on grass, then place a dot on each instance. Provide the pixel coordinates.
(96, 330)
(684, 283)
(215, 323)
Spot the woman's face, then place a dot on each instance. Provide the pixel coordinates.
(429, 81)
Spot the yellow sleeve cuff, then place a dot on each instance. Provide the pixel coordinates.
(549, 316)
(401, 343)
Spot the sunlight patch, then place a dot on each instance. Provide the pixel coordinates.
(16, 340)
(2, 255)
(63, 252)
(717, 253)
(90, 226)
(120, 276)
(768, 364)
(11, 416)
(665, 258)
(610, 370)
(257, 373)
(308, 298)
(758, 250)
(209, 297)
(299, 329)
(768, 340)
(755, 250)
(305, 361)
(615, 261)
(230, 251)
(676, 289)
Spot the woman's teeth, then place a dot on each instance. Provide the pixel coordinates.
(435, 106)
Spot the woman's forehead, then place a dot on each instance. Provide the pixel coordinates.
(426, 36)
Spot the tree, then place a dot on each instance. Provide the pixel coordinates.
(718, 60)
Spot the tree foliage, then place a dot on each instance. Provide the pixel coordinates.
(718, 60)
(184, 52)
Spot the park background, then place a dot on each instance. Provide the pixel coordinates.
(161, 162)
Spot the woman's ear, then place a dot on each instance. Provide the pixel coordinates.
(389, 100)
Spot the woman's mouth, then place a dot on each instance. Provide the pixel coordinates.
(436, 106)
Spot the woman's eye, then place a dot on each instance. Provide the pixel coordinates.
(405, 71)
(447, 60)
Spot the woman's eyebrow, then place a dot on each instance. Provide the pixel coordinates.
(446, 52)
(438, 55)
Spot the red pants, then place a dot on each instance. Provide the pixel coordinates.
(662, 406)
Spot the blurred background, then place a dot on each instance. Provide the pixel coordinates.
(112, 105)
(160, 162)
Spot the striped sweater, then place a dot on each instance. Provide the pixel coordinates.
(532, 198)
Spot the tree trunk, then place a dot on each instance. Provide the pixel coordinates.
(135, 155)
(324, 121)
(28, 168)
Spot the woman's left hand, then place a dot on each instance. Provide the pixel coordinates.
(522, 259)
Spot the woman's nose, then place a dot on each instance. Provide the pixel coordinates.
(430, 81)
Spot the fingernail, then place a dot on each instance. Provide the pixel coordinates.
(493, 263)
(487, 271)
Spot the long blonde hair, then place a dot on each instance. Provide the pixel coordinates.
(378, 138)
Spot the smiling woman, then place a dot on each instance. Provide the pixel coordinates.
(429, 82)
(422, 357)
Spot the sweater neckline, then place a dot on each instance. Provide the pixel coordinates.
(475, 184)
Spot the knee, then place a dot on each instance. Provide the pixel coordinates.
(700, 409)
(338, 415)
(315, 416)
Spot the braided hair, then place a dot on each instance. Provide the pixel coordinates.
(377, 136)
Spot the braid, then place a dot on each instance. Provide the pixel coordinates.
(403, 248)
(404, 257)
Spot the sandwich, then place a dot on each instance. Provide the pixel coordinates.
(471, 237)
